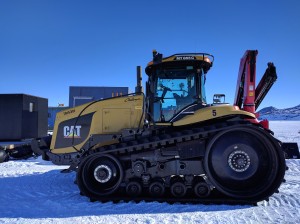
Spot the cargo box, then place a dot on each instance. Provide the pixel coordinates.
(22, 116)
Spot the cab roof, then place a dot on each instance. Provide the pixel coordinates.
(203, 60)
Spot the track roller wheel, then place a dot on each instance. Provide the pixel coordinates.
(156, 189)
(178, 189)
(99, 175)
(202, 190)
(245, 163)
(133, 189)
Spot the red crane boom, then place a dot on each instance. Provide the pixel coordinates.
(248, 97)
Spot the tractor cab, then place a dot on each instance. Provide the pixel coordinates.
(176, 84)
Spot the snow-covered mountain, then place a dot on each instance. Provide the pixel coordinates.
(272, 113)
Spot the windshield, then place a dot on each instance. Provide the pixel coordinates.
(175, 89)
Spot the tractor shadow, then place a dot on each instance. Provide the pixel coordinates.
(54, 195)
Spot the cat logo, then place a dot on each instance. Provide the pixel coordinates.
(72, 132)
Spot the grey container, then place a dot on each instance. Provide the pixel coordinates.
(22, 116)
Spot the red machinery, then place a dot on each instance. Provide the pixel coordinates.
(248, 97)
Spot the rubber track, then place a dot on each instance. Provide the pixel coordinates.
(153, 142)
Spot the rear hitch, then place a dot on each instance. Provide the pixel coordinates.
(291, 150)
(41, 146)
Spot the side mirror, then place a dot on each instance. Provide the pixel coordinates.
(219, 98)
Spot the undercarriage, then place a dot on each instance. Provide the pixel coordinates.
(227, 162)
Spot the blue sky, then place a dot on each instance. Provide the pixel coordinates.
(47, 46)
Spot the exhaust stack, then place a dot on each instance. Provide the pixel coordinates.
(138, 88)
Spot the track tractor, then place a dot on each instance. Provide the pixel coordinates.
(169, 144)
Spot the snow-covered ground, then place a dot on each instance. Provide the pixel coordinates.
(34, 191)
(286, 131)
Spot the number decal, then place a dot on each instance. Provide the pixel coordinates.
(214, 113)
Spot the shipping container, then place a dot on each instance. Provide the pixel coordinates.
(22, 116)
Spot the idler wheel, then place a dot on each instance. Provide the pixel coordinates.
(99, 174)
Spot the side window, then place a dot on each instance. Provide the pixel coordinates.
(172, 95)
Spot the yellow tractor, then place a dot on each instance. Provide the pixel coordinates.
(169, 144)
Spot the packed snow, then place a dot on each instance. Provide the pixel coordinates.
(35, 191)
